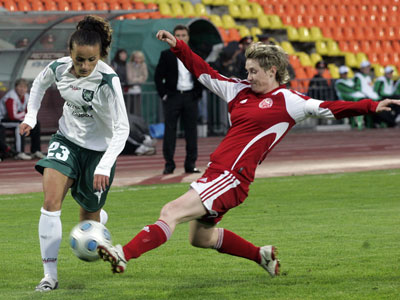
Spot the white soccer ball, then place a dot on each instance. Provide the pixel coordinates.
(85, 237)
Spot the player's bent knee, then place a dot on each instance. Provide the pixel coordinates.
(168, 212)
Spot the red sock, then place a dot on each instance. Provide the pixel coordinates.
(230, 243)
(152, 236)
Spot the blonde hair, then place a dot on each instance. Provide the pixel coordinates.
(268, 56)
(137, 53)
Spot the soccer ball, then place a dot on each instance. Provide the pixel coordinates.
(85, 237)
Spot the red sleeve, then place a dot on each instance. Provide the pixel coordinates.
(343, 109)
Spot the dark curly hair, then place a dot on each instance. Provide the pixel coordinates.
(92, 30)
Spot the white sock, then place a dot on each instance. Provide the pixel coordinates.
(50, 234)
(103, 217)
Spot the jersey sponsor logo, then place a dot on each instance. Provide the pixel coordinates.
(87, 95)
(266, 103)
(74, 88)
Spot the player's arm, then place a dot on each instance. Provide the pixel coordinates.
(343, 109)
(41, 83)
(225, 88)
(120, 125)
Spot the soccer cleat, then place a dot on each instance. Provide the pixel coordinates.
(269, 261)
(47, 284)
(114, 255)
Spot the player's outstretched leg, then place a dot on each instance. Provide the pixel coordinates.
(266, 256)
(151, 236)
(225, 241)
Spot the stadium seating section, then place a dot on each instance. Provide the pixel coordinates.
(349, 31)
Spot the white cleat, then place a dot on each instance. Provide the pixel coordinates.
(114, 255)
(47, 284)
(269, 260)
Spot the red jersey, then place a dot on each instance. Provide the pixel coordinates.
(259, 121)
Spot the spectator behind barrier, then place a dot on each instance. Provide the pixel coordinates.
(13, 107)
(319, 88)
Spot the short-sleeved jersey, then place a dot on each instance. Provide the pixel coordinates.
(94, 115)
(259, 121)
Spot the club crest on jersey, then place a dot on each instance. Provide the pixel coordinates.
(87, 95)
(266, 103)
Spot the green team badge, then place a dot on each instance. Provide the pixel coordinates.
(87, 95)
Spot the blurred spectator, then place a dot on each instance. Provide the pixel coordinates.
(265, 38)
(244, 43)
(22, 43)
(363, 81)
(319, 88)
(364, 84)
(226, 63)
(136, 72)
(13, 107)
(345, 87)
(47, 42)
(345, 90)
(384, 85)
(118, 63)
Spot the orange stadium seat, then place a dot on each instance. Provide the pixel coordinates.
(348, 33)
(294, 61)
(373, 58)
(268, 9)
(101, 6)
(50, 5)
(151, 5)
(354, 46)
(10, 5)
(23, 5)
(76, 5)
(394, 58)
(310, 71)
(37, 5)
(125, 5)
(344, 46)
(139, 5)
(384, 59)
(63, 5)
(312, 10)
(234, 34)
(224, 35)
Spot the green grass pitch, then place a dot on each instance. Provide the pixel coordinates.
(338, 237)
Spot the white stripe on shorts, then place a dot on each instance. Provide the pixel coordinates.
(212, 190)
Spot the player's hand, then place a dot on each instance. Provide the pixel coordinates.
(167, 37)
(384, 105)
(24, 129)
(100, 182)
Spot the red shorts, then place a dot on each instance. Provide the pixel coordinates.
(219, 190)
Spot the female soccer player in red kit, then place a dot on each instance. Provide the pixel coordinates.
(262, 111)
